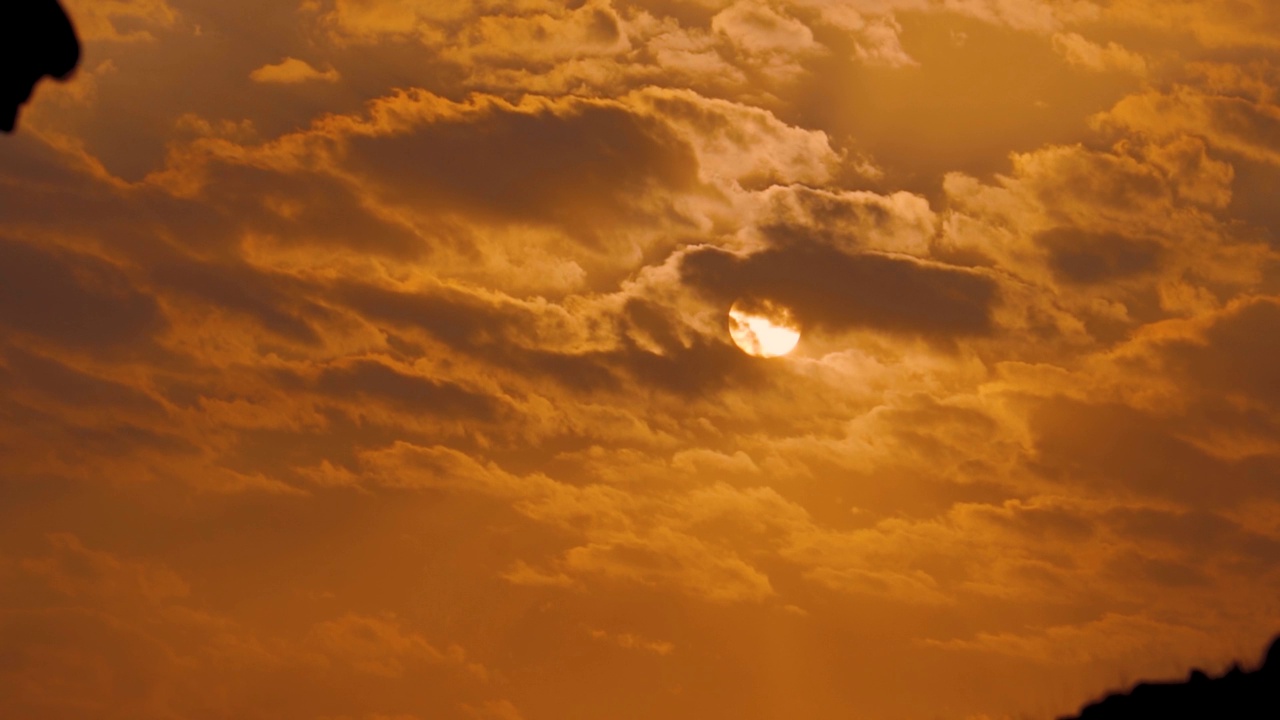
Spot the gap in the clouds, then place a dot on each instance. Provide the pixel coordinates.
(979, 93)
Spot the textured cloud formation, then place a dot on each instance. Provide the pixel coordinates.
(396, 383)
(290, 71)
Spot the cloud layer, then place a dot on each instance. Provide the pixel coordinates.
(370, 360)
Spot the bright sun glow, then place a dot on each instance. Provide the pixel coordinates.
(767, 330)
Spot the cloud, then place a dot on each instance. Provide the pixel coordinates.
(634, 642)
(77, 571)
(134, 639)
(120, 21)
(902, 223)
(1089, 444)
(553, 35)
(495, 710)
(379, 646)
(1033, 15)
(719, 133)
(911, 587)
(1111, 635)
(773, 42)
(1087, 54)
(1223, 355)
(1250, 25)
(352, 20)
(836, 291)
(73, 299)
(1081, 257)
(1235, 125)
(620, 544)
(290, 71)
(373, 379)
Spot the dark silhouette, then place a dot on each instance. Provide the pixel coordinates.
(36, 39)
(1237, 695)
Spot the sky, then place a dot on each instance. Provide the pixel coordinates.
(371, 360)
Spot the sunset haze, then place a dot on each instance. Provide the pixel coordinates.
(372, 359)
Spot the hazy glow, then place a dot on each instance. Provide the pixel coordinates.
(770, 331)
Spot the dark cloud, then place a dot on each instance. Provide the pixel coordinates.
(1122, 450)
(307, 210)
(54, 379)
(452, 317)
(803, 215)
(577, 165)
(73, 299)
(1238, 354)
(1086, 258)
(100, 666)
(338, 439)
(702, 369)
(829, 289)
(495, 334)
(1133, 566)
(604, 26)
(652, 322)
(480, 329)
(1198, 534)
(29, 434)
(583, 372)
(414, 393)
(276, 301)
(1049, 523)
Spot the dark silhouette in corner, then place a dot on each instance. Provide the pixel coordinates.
(1237, 695)
(36, 39)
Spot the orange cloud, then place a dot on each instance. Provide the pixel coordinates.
(292, 70)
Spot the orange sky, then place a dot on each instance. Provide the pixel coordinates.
(369, 359)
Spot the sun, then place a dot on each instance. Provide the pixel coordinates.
(763, 328)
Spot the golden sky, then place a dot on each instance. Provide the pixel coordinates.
(370, 359)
